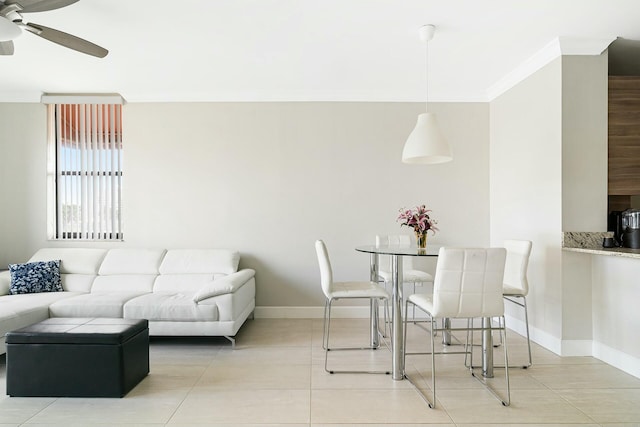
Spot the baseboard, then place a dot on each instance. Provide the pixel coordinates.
(616, 358)
(343, 312)
(346, 312)
(577, 348)
(538, 336)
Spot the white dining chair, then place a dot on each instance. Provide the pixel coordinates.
(410, 274)
(516, 285)
(334, 291)
(468, 284)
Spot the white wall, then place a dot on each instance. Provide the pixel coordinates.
(584, 142)
(616, 321)
(526, 188)
(548, 174)
(22, 178)
(584, 186)
(267, 179)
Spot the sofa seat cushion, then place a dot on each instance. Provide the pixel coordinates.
(10, 319)
(22, 302)
(18, 311)
(95, 304)
(175, 307)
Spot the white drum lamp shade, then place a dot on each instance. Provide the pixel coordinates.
(426, 144)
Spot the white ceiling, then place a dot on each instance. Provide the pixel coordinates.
(302, 50)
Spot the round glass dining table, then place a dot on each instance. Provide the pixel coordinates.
(396, 252)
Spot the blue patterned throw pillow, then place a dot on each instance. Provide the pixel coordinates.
(33, 277)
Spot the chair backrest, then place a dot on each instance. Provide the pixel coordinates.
(468, 282)
(326, 274)
(515, 269)
(399, 240)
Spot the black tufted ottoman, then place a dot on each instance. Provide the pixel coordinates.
(67, 357)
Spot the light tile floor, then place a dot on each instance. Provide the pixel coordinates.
(275, 377)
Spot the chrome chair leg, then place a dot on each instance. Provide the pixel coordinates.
(404, 338)
(414, 307)
(507, 401)
(468, 354)
(327, 320)
(503, 334)
(434, 328)
(433, 364)
(522, 304)
(526, 319)
(327, 348)
(324, 326)
(404, 356)
(384, 332)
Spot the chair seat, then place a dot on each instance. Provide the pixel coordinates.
(424, 301)
(408, 276)
(357, 290)
(510, 291)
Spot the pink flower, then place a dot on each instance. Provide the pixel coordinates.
(418, 219)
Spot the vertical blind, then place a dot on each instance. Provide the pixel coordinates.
(88, 188)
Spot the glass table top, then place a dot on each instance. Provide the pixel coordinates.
(399, 250)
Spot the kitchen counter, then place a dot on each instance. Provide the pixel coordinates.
(591, 243)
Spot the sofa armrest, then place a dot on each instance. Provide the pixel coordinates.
(5, 282)
(224, 285)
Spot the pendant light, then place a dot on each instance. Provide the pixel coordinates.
(426, 144)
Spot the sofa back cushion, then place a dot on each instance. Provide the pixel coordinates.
(78, 266)
(187, 270)
(128, 283)
(131, 261)
(183, 283)
(214, 262)
(73, 260)
(77, 282)
(128, 270)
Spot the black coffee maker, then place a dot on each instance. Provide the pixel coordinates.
(630, 237)
(614, 224)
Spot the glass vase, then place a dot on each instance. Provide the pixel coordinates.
(421, 239)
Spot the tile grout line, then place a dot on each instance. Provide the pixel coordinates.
(34, 415)
(173, 413)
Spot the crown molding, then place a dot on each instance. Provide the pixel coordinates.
(558, 47)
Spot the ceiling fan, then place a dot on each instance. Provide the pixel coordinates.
(11, 24)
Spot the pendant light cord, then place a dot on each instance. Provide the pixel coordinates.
(427, 74)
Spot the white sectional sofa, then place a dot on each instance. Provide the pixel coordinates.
(182, 292)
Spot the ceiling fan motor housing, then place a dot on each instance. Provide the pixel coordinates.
(12, 24)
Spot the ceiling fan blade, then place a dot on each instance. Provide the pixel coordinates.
(29, 6)
(6, 48)
(66, 40)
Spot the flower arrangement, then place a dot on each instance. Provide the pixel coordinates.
(418, 219)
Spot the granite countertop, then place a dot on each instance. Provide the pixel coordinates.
(591, 243)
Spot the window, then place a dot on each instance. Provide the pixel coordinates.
(85, 169)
